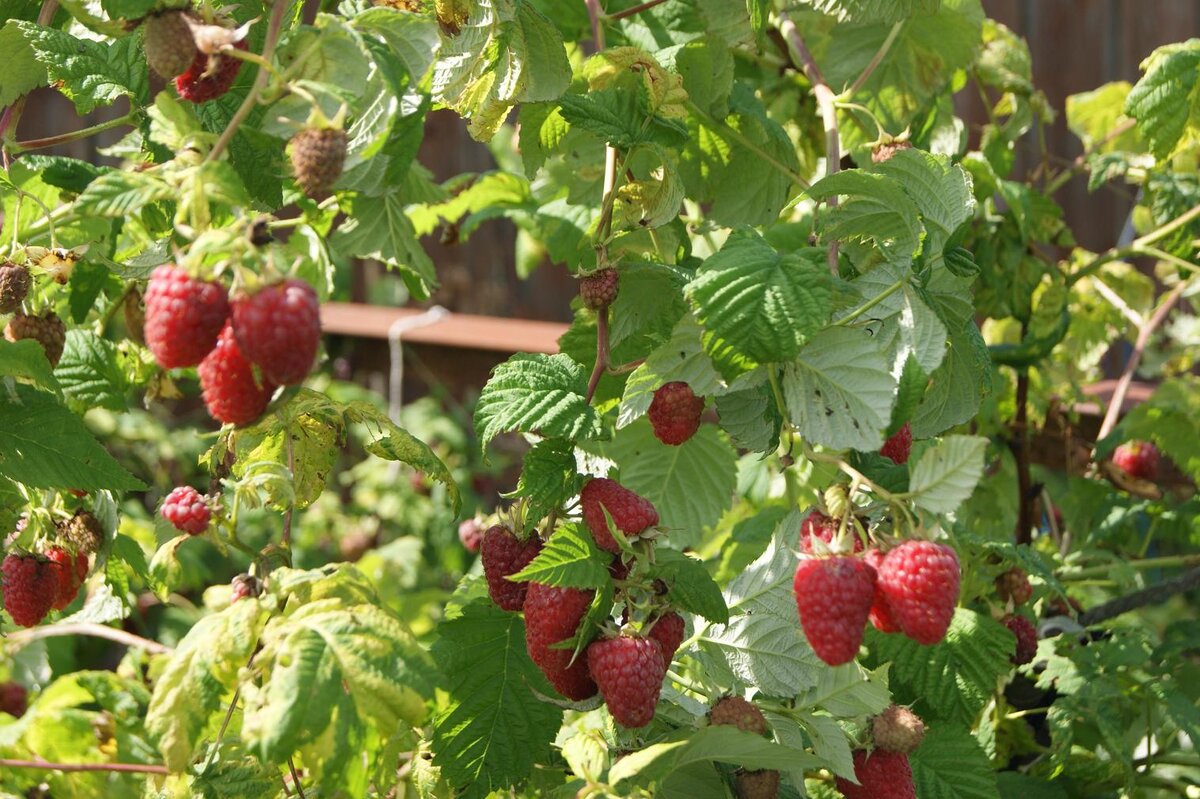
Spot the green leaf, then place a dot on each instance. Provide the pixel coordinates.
(907, 326)
(839, 390)
(848, 691)
(941, 190)
(569, 559)
(549, 477)
(90, 373)
(766, 305)
(23, 72)
(47, 446)
(90, 73)
(1015, 785)
(866, 11)
(120, 194)
(233, 775)
(393, 443)
(536, 393)
(689, 585)
(875, 210)
(26, 360)
(947, 474)
(1166, 101)
(950, 765)
(951, 681)
(412, 37)
(619, 117)
(491, 729)
(202, 671)
(749, 415)
(957, 387)
(379, 228)
(1092, 116)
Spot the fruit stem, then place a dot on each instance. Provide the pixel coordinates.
(629, 12)
(871, 303)
(28, 145)
(135, 768)
(21, 637)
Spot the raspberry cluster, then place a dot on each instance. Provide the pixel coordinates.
(187, 510)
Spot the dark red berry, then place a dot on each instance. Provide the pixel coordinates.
(881, 614)
(629, 672)
(553, 615)
(833, 596)
(1026, 635)
(14, 286)
(184, 316)
(881, 775)
(30, 588)
(13, 698)
(62, 563)
(675, 413)
(232, 393)
(899, 445)
(920, 580)
(668, 631)
(209, 76)
(279, 329)
(599, 289)
(631, 513)
(505, 554)
(187, 511)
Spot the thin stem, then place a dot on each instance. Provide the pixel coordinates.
(880, 54)
(75, 135)
(629, 12)
(1137, 246)
(725, 130)
(295, 778)
(1020, 447)
(1145, 564)
(1080, 162)
(129, 768)
(21, 637)
(826, 102)
(596, 14)
(601, 353)
(1174, 260)
(625, 368)
(871, 303)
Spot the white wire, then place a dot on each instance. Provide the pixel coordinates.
(396, 352)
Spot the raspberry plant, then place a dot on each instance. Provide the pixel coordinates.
(872, 306)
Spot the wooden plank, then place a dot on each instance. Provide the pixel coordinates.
(460, 331)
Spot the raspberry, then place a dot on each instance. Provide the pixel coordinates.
(631, 513)
(14, 286)
(897, 729)
(884, 152)
(599, 289)
(317, 158)
(1137, 459)
(82, 567)
(629, 672)
(737, 712)
(47, 330)
(83, 532)
(919, 580)
(881, 614)
(470, 533)
(899, 445)
(668, 631)
(675, 413)
(186, 510)
(168, 43)
(833, 596)
(30, 588)
(184, 316)
(553, 615)
(1026, 635)
(881, 775)
(1014, 585)
(505, 554)
(761, 784)
(209, 76)
(817, 525)
(13, 698)
(231, 391)
(619, 569)
(245, 585)
(279, 328)
(62, 563)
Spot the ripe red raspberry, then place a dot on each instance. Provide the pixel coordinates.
(279, 328)
(470, 534)
(881, 775)
(13, 698)
(629, 672)
(62, 563)
(505, 554)
(599, 289)
(1014, 585)
(920, 580)
(209, 76)
(881, 614)
(317, 155)
(30, 588)
(833, 596)
(1137, 459)
(897, 729)
(818, 525)
(898, 445)
(82, 531)
(668, 631)
(14, 286)
(631, 513)
(1026, 635)
(761, 784)
(82, 567)
(675, 413)
(184, 316)
(553, 615)
(47, 330)
(186, 510)
(737, 712)
(168, 43)
(232, 393)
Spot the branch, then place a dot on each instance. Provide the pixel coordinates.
(601, 353)
(88, 628)
(75, 135)
(1154, 595)
(596, 14)
(1137, 246)
(1143, 564)
(12, 114)
(1024, 531)
(880, 54)
(629, 12)
(825, 101)
(134, 768)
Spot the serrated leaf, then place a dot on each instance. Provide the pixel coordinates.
(23, 71)
(90, 73)
(549, 477)
(536, 393)
(491, 729)
(689, 585)
(619, 118)
(120, 194)
(26, 360)
(570, 558)
(392, 442)
(90, 374)
(875, 210)
(940, 189)
(749, 415)
(230, 776)
(848, 691)
(379, 228)
(956, 388)
(947, 474)
(950, 765)
(870, 11)
(1166, 99)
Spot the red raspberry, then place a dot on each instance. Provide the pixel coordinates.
(62, 563)
(761, 784)
(631, 513)
(470, 533)
(1137, 459)
(245, 585)
(1027, 638)
(279, 328)
(817, 525)
(919, 580)
(186, 510)
(881, 775)
(13, 698)
(599, 289)
(209, 76)
(553, 615)
(897, 729)
(1014, 585)
(184, 316)
(619, 569)
(881, 614)
(82, 567)
(899, 445)
(675, 413)
(629, 671)
(231, 391)
(505, 554)
(30, 588)
(668, 631)
(833, 596)
(737, 712)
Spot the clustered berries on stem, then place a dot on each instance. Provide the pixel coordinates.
(631, 513)
(503, 555)
(181, 47)
(883, 772)
(734, 711)
(35, 584)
